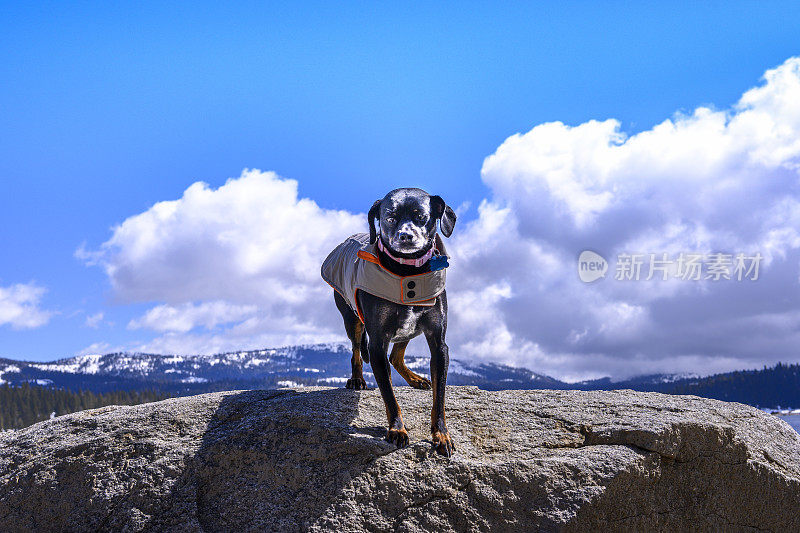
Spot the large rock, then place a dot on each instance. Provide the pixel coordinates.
(314, 459)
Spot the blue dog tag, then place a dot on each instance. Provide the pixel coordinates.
(438, 262)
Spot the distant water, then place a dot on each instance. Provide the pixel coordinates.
(793, 420)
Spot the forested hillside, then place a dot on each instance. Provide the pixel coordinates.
(23, 405)
(778, 386)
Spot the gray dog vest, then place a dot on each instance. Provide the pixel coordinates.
(354, 266)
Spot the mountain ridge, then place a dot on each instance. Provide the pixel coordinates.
(328, 364)
(308, 364)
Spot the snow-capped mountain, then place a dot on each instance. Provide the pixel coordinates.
(329, 364)
(645, 382)
(319, 364)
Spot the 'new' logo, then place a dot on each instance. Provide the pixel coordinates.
(591, 266)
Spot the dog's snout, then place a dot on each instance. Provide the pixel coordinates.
(404, 236)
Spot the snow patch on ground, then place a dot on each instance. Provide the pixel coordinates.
(256, 362)
(457, 368)
(194, 379)
(8, 370)
(416, 362)
(335, 380)
(783, 411)
(81, 364)
(677, 377)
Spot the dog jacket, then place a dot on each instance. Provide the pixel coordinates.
(354, 266)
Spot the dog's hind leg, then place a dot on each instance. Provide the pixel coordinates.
(356, 380)
(397, 358)
(355, 332)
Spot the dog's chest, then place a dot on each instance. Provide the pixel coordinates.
(407, 325)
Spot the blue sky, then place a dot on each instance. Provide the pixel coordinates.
(107, 109)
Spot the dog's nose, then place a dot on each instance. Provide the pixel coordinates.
(404, 237)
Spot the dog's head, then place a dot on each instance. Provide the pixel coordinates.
(407, 221)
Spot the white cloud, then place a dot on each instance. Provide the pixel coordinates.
(708, 181)
(250, 240)
(242, 261)
(93, 321)
(19, 306)
(100, 348)
(247, 253)
(186, 317)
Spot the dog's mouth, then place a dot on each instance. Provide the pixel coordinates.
(406, 247)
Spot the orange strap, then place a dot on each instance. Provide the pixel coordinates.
(366, 256)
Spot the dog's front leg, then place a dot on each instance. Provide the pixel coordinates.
(440, 359)
(379, 360)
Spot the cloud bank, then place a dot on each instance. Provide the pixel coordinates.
(712, 180)
(238, 266)
(20, 306)
(231, 268)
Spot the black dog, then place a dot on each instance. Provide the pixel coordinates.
(407, 222)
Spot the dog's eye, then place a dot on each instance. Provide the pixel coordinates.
(390, 220)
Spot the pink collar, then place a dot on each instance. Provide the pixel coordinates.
(413, 262)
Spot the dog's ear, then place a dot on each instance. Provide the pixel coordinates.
(374, 213)
(446, 216)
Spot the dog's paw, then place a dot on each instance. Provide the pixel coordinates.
(443, 444)
(356, 384)
(398, 437)
(418, 382)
